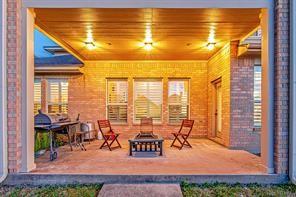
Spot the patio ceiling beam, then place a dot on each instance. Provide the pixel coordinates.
(60, 42)
(147, 3)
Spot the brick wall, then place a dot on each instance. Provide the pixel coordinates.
(242, 135)
(14, 85)
(237, 79)
(219, 67)
(87, 93)
(281, 126)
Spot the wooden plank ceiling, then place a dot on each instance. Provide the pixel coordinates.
(178, 34)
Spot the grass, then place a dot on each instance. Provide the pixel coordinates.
(191, 190)
(51, 191)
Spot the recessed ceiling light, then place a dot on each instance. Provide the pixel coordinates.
(90, 45)
(211, 45)
(148, 46)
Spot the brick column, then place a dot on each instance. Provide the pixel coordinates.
(281, 86)
(242, 135)
(14, 84)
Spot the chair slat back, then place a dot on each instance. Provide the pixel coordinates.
(104, 126)
(186, 126)
(146, 126)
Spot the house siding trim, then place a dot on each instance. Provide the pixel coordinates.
(147, 3)
(292, 118)
(3, 93)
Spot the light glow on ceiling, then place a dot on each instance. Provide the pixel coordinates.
(148, 41)
(89, 43)
(211, 39)
(211, 46)
(148, 46)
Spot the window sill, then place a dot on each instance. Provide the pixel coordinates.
(118, 124)
(154, 124)
(175, 124)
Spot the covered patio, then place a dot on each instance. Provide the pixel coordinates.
(206, 157)
(168, 64)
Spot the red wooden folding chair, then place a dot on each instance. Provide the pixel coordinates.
(182, 135)
(108, 134)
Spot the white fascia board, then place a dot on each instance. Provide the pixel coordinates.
(147, 3)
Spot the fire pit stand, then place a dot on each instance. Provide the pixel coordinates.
(144, 143)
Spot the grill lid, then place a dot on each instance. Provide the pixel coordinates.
(47, 119)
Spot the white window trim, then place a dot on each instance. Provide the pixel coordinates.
(188, 102)
(134, 98)
(106, 100)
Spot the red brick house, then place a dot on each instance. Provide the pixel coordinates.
(189, 59)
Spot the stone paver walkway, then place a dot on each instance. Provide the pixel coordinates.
(142, 190)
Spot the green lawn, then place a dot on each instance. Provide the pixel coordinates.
(51, 191)
(190, 190)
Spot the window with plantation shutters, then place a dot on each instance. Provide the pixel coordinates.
(117, 100)
(257, 96)
(178, 100)
(148, 99)
(57, 96)
(37, 95)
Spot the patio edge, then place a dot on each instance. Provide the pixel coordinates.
(65, 179)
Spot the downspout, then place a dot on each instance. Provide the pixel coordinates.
(292, 129)
(3, 94)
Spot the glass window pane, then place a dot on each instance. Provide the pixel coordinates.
(148, 99)
(57, 96)
(117, 90)
(37, 95)
(257, 96)
(178, 100)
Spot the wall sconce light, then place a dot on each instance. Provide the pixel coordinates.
(90, 45)
(148, 46)
(211, 45)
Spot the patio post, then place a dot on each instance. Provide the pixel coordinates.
(27, 113)
(267, 57)
(3, 93)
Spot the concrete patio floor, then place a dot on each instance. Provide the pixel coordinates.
(206, 157)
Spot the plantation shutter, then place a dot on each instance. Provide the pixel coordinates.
(64, 97)
(257, 96)
(117, 90)
(57, 96)
(178, 100)
(37, 95)
(148, 99)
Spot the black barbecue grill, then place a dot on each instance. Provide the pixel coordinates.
(52, 124)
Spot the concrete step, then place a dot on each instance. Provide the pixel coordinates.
(140, 190)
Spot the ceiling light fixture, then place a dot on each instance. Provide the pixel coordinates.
(211, 45)
(90, 45)
(148, 46)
